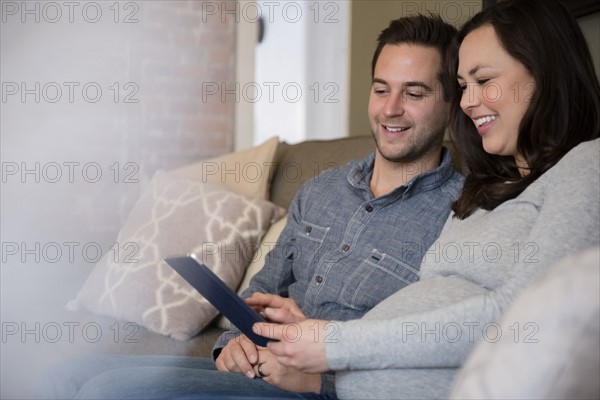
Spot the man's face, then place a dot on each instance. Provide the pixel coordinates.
(407, 113)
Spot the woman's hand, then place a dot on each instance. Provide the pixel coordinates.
(240, 354)
(301, 345)
(276, 308)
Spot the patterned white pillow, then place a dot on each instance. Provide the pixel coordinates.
(175, 216)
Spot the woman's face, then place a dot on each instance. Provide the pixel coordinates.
(496, 91)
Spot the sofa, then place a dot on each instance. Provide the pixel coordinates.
(46, 318)
(66, 319)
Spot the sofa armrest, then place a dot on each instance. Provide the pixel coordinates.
(549, 342)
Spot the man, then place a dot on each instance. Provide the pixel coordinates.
(358, 234)
(354, 235)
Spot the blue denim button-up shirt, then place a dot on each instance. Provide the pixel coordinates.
(343, 251)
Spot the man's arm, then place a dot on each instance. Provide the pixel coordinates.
(275, 276)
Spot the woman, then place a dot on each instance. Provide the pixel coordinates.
(527, 118)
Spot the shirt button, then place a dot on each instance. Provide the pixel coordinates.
(346, 247)
(308, 230)
(369, 208)
(319, 279)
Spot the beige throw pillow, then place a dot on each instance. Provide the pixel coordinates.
(176, 216)
(246, 172)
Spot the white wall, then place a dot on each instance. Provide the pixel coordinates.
(301, 71)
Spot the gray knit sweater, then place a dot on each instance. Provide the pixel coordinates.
(473, 272)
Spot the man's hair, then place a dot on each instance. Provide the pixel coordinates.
(430, 31)
(564, 109)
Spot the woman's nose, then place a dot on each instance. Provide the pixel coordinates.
(470, 97)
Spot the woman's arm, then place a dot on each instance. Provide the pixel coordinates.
(443, 335)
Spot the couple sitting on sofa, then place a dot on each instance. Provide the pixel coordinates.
(358, 237)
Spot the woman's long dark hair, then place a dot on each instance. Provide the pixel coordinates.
(564, 109)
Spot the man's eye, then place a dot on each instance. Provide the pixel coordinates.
(414, 95)
(380, 91)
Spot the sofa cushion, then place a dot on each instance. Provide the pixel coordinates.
(175, 216)
(297, 163)
(548, 347)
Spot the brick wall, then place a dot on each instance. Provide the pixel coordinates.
(151, 61)
(176, 54)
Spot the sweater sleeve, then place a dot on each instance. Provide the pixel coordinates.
(453, 313)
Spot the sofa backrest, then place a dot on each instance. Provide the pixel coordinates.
(297, 163)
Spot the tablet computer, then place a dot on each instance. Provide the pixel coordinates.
(219, 295)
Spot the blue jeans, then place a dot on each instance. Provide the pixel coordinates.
(154, 377)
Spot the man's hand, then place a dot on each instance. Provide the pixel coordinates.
(300, 345)
(286, 378)
(239, 355)
(276, 308)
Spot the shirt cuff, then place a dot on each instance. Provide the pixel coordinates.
(222, 341)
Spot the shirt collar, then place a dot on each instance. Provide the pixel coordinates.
(361, 172)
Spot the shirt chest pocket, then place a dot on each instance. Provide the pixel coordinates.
(377, 277)
(306, 246)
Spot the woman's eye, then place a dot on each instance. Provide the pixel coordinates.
(462, 87)
(482, 81)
